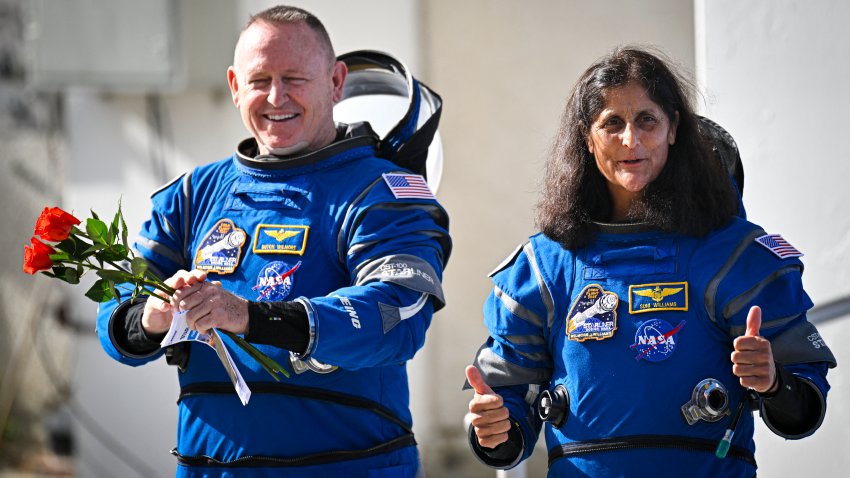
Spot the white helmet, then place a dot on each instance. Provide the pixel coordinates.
(403, 112)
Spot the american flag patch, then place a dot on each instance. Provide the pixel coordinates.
(778, 245)
(405, 186)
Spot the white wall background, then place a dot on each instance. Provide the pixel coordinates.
(773, 74)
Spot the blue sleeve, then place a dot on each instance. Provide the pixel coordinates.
(160, 243)
(395, 251)
(107, 327)
(515, 361)
(163, 238)
(759, 277)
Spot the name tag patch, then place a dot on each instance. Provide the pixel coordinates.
(657, 297)
(280, 239)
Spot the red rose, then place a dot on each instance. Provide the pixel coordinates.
(37, 257)
(54, 224)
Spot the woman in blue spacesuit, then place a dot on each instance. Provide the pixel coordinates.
(647, 318)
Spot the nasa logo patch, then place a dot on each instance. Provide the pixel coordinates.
(655, 340)
(275, 280)
(221, 248)
(593, 315)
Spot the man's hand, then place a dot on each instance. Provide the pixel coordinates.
(156, 318)
(209, 306)
(487, 412)
(752, 360)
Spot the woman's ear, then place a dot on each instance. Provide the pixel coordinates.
(674, 125)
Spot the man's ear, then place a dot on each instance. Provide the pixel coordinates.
(233, 83)
(340, 71)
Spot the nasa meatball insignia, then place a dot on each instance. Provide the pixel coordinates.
(593, 314)
(655, 340)
(275, 281)
(221, 248)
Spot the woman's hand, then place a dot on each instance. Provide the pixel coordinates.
(752, 360)
(487, 412)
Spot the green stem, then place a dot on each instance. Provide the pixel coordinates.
(153, 283)
(156, 284)
(155, 280)
(269, 364)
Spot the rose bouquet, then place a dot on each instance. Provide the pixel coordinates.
(61, 250)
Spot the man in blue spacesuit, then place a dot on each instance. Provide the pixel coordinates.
(327, 257)
(647, 318)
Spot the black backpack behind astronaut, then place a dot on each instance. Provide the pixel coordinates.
(725, 149)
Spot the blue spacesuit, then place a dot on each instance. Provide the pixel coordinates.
(631, 327)
(361, 246)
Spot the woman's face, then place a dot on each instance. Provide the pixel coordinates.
(630, 139)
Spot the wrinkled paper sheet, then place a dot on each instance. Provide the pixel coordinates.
(180, 332)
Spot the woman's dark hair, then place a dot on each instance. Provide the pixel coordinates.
(692, 195)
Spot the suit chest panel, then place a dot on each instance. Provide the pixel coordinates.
(631, 321)
(269, 241)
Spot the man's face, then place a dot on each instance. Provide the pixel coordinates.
(285, 85)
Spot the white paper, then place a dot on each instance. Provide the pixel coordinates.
(180, 332)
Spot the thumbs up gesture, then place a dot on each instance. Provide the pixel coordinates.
(752, 359)
(487, 412)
